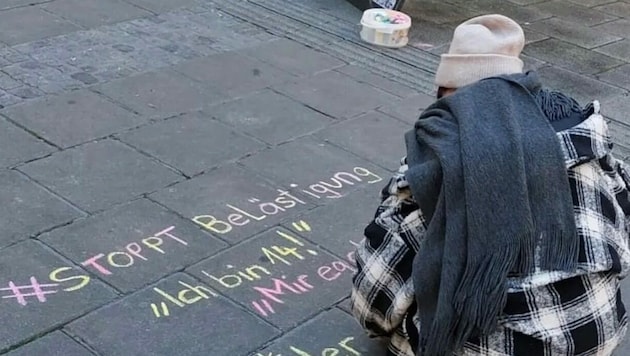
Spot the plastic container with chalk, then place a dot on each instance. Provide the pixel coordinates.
(386, 28)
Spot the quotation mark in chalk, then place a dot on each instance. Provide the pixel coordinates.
(299, 226)
(156, 311)
(302, 226)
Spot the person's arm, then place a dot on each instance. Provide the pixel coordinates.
(382, 291)
(623, 195)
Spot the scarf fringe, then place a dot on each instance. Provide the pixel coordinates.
(482, 292)
(560, 251)
(556, 105)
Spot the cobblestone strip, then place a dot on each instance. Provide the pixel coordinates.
(82, 58)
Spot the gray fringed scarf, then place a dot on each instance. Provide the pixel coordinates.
(487, 171)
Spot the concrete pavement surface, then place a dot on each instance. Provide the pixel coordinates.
(188, 177)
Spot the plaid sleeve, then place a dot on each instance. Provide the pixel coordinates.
(382, 290)
(624, 199)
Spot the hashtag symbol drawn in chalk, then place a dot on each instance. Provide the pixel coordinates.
(156, 311)
(302, 226)
(20, 293)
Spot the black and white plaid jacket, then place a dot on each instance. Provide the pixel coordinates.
(547, 313)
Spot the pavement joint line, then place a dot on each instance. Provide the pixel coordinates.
(151, 157)
(334, 118)
(32, 133)
(370, 160)
(50, 191)
(80, 341)
(27, 5)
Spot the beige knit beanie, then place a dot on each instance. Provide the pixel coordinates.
(482, 47)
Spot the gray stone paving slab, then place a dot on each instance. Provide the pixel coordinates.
(533, 36)
(26, 92)
(73, 118)
(591, 3)
(619, 9)
(575, 13)
(230, 32)
(376, 136)
(285, 279)
(92, 13)
(582, 88)
(270, 117)
(133, 245)
(233, 73)
(619, 76)
(519, 13)
(7, 83)
(336, 94)
(8, 4)
(345, 306)
(571, 57)
(232, 203)
(620, 50)
(365, 76)
(409, 109)
(339, 236)
(67, 293)
(526, 2)
(196, 142)
(531, 63)
(619, 27)
(167, 31)
(122, 53)
(16, 145)
(617, 108)
(191, 35)
(8, 99)
(439, 12)
(426, 35)
(573, 32)
(10, 55)
(306, 161)
(98, 175)
(54, 344)
(28, 210)
(342, 10)
(623, 153)
(331, 333)
(40, 25)
(161, 94)
(620, 132)
(160, 6)
(294, 57)
(198, 323)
